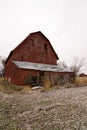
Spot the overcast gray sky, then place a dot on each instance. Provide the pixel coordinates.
(63, 22)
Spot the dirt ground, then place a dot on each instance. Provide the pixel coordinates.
(57, 109)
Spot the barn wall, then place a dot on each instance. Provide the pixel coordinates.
(11, 72)
(60, 77)
(26, 76)
(22, 77)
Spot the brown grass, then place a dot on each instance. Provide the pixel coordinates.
(26, 89)
(7, 87)
(47, 85)
(81, 81)
(1, 88)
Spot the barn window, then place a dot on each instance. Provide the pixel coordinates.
(21, 57)
(45, 46)
(31, 39)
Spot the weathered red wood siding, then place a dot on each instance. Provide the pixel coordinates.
(35, 48)
(18, 76)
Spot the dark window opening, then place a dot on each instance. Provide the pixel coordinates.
(41, 74)
(21, 57)
(32, 40)
(45, 46)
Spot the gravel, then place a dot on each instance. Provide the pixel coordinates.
(57, 109)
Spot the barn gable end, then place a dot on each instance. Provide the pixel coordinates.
(35, 48)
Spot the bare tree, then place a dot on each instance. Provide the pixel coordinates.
(78, 65)
(62, 64)
(3, 64)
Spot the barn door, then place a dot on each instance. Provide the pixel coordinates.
(41, 75)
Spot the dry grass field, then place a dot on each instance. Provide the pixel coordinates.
(81, 81)
(55, 109)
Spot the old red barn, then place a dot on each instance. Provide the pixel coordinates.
(33, 59)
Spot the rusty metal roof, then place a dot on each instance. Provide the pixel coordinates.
(39, 66)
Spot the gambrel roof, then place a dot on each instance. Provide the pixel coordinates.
(38, 32)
